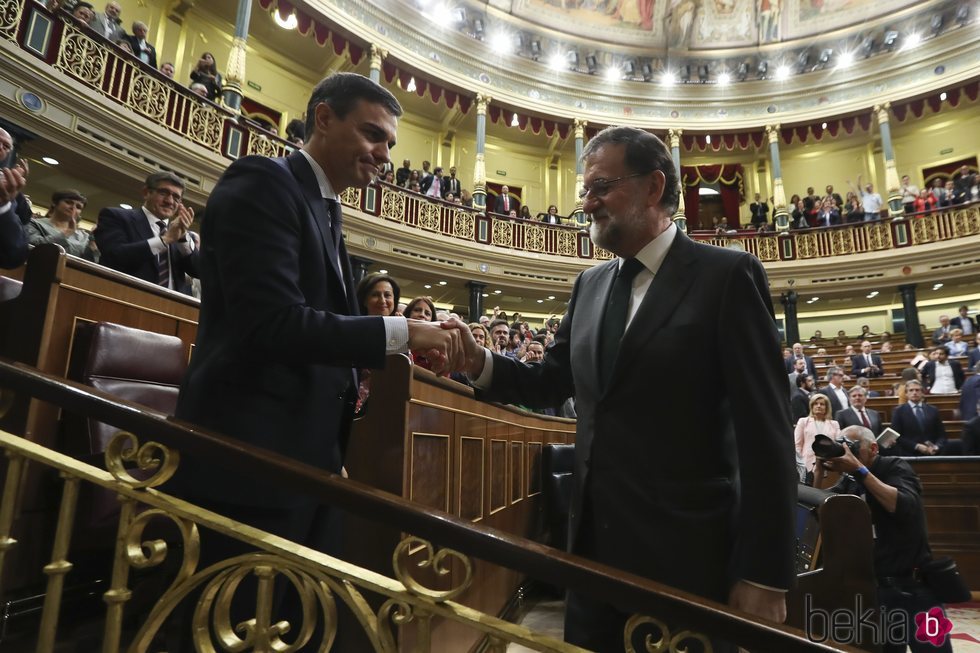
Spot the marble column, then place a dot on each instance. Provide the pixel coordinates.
(578, 216)
(359, 268)
(378, 55)
(895, 207)
(476, 299)
(674, 136)
(913, 335)
(791, 324)
(480, 166)
(234, 80)
(780, 214)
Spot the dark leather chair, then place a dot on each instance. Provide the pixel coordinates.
(559, 465)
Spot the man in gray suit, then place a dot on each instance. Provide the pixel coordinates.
(695, 491)
(858, 414)
(108, 23)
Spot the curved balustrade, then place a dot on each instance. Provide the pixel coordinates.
(93, 62)
(572, 241)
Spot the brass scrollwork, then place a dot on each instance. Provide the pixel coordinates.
(393, 205)
(437, 561)
(150, 457)
(660, 639)
(9, 18)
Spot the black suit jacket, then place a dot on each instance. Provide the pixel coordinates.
(799, 404)
(122, 236)
(958, 323)
(835, 404)
(514, 205)
(759, 212)
(858, 364)
(451, 185)
(150, 49)
(929, 373)
(849, 417)
(810, 368)
(13, 241)
(905, 422)
(278, 333)
(729, 516)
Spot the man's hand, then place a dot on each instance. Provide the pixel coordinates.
(177, 229)
(473, 355)
(441, 345)
(844, 464)
(12, 182)
(24, 167)
(759, 601)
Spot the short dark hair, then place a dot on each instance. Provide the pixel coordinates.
(157, 178)
(495, 323)
(342, 92)
(644, 153)
(368, 283)
(801, 379)
(421, 300)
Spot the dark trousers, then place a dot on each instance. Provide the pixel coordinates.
(912, 599)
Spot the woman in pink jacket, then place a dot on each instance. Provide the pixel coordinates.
(818, 421)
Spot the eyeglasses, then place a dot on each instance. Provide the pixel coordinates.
(601, 187)
(164, 193)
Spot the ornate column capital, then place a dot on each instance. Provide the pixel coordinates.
(881, 110)
(674, 137)
(482, 100)
(579, 125)
(378, 55)
(772, 132)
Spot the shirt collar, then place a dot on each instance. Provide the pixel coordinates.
(653, 253)
(326, 190)
(152, 218)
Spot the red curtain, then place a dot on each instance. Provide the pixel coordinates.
(731, 185)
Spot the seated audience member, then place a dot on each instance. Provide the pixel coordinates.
(13, 241)
(799, 401)
(973, 359)
(941, 335)
(499, 334)
(480, 333)
(450, 184)
(206, 73)
(200, 89)
(817, 335)
(818, 421)
(450, 198)
(921, 427)
(858, 414)
(108, 23)
(377, 294)
(834, 390)
(151, 242)
(125, 45)
(867, 363)
(60, 226)
(84, 12)
(956, 346)
(942, 376)
(886, 347)
(908, 374)
(849, 351)
(402, 174)
(296, 132)
(964, 322)
(388, 177)
(970, 397)
(828, 215)
(525, 213)
(866, 332)
(167, 69)
(143, 49)
(866, 384)
(551, 217)
(415, 188)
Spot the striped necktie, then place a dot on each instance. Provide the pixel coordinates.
(163, 259)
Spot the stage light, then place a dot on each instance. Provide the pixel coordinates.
(782, 73)
(126, 206)
(289, 22)
(535, 49)
(613, 74)
(803, 61)
(823, 125)
(845, 59)
(382, 272)
(963, 14)
(556, 61)
(514, 122)
(825, 56)
(460, 15)
(942, 96)
(867, 46)
(724, 79)
(501, 42)
(572, 58)
(442, 283)
(50, 160)
(629, 68)
(411, 85)
(667, 79)
(707, 139)
(912, 40)
(703, 73)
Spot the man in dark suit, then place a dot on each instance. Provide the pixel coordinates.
(451, 184)
(858, 414)
(729, 517)
(151, 242)
(834, 390)
(13, 241)
(921, 427)
(942, 376)
(964, 322)
(759, 211)
(799, 401)
(798, 353)
(866, 363)
(279, 334)
(970, 398)
(142, 49)
(505, 203)
(973, 359)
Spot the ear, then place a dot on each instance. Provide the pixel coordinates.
(658, 181)
(324, 116)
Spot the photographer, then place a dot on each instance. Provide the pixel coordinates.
(893, 494)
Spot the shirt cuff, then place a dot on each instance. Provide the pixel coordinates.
(157, 246)
(396, 334)
(486, 376)
(6, 207)
(765, 587)
(186, 248)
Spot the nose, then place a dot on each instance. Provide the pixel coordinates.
(590, 203)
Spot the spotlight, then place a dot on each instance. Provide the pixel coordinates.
(936, 24)
(501, 42)
(51, 161)
(703, 73)
(289, 22)
(629, 68)
(591, 64)
(963, 14)
(535, 49)
(867, 46)
(647, 71)
(514, 122)
(782, 73)
(762, 69)
(478, 29)
(612, 74)
(667, 79)
(942, 96)
(743, 71)
(724, 79)
(411, 85)
(845, 59)
(685, 74)
(825, 56)
(556, 61)
(572, 58)
(912, 40)
(889, 41)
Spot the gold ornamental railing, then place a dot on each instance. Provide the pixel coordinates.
(88, 59)
(135, 469)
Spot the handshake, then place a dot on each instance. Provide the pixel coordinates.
(448, 345)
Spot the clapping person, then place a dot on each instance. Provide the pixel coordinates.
(60, 226)
(13, 242)
(377, 294)
(206, 73)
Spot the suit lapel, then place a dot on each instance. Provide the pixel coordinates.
(311, 193)
(667, 290)
(604, 279)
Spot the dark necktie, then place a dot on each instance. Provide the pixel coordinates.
(919, 416)
(163, 259)
(336, 222)
(614, 318)
(864, 418)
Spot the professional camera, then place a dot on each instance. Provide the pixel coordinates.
(825, 447)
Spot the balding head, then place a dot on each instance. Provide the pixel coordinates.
(6, 144)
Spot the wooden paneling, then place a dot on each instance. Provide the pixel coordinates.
(430, 470)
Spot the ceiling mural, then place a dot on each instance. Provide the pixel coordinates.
(698, 24)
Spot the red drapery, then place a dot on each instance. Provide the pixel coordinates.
(730, 180)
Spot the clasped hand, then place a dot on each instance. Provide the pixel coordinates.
(12, 182)
(178, 227)
(448, 345)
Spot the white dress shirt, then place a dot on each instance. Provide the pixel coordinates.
(943, 383)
